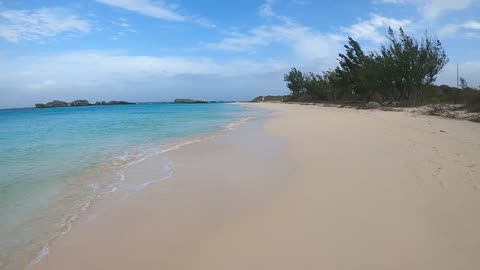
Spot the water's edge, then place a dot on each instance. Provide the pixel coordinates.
(104, 181)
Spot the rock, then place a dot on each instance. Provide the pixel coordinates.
(118, 103)
(189, 101)
(81, 102)
(76, 103)
(57, 103)
(53, 104)
(386, 103)
(372, 105)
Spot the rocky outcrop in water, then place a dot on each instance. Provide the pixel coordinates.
(189, 101)
(118, 103)
(78, 103)
(53, 104)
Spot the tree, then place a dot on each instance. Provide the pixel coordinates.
(402, 70)
(316, 85)
(295, 82)
(351, 66)
(412, 65)
(335, 88)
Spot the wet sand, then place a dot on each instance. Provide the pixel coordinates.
(310, 188)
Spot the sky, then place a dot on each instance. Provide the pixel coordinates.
(153, 50)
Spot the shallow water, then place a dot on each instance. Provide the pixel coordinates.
(55, 162)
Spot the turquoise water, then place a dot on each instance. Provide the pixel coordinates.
(50, 160)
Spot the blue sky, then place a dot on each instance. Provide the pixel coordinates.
(147, 50)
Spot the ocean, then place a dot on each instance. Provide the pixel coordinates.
(54, 162)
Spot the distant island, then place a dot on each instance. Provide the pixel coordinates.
(189, 101)
(78, 103)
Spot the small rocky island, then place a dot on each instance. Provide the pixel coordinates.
(189, 101)
(78, 103)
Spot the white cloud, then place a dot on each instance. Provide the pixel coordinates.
(146, 7)
(448, 30)
(266, 9)
(307, 44)
(109, 64)
(432, 9)
(28, 80)
(474, 25)
(451, 30)
(375, 28)
(203, 22)
(157, 9)
(18, 25)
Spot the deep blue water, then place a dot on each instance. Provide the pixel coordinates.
(42, 151)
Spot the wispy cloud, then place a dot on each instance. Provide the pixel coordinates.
(265, 9)
(432, 9)
(202, 22)
(451, 30)
(308, 44)
(157, 9)
(18, 25)
(374, 29)
(117, 64)
(474, 25)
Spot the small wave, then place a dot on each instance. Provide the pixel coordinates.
(237, 123)
(121, 176)
(85, 206)
(44, 252)
(121, 163)
(140, 154)
(166, 168)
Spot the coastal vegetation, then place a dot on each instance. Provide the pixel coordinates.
(401, 72)
(271, 99)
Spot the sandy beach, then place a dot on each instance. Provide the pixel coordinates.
(310, 187)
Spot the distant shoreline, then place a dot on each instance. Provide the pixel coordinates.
(79, 103)
(86, 103)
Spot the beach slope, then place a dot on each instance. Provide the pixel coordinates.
(349, 189)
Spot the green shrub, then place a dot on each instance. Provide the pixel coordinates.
(473, 104)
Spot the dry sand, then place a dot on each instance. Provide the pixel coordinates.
(313, 188)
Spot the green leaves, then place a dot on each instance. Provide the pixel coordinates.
(295, 82)
(411, 65)
(400, 70)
